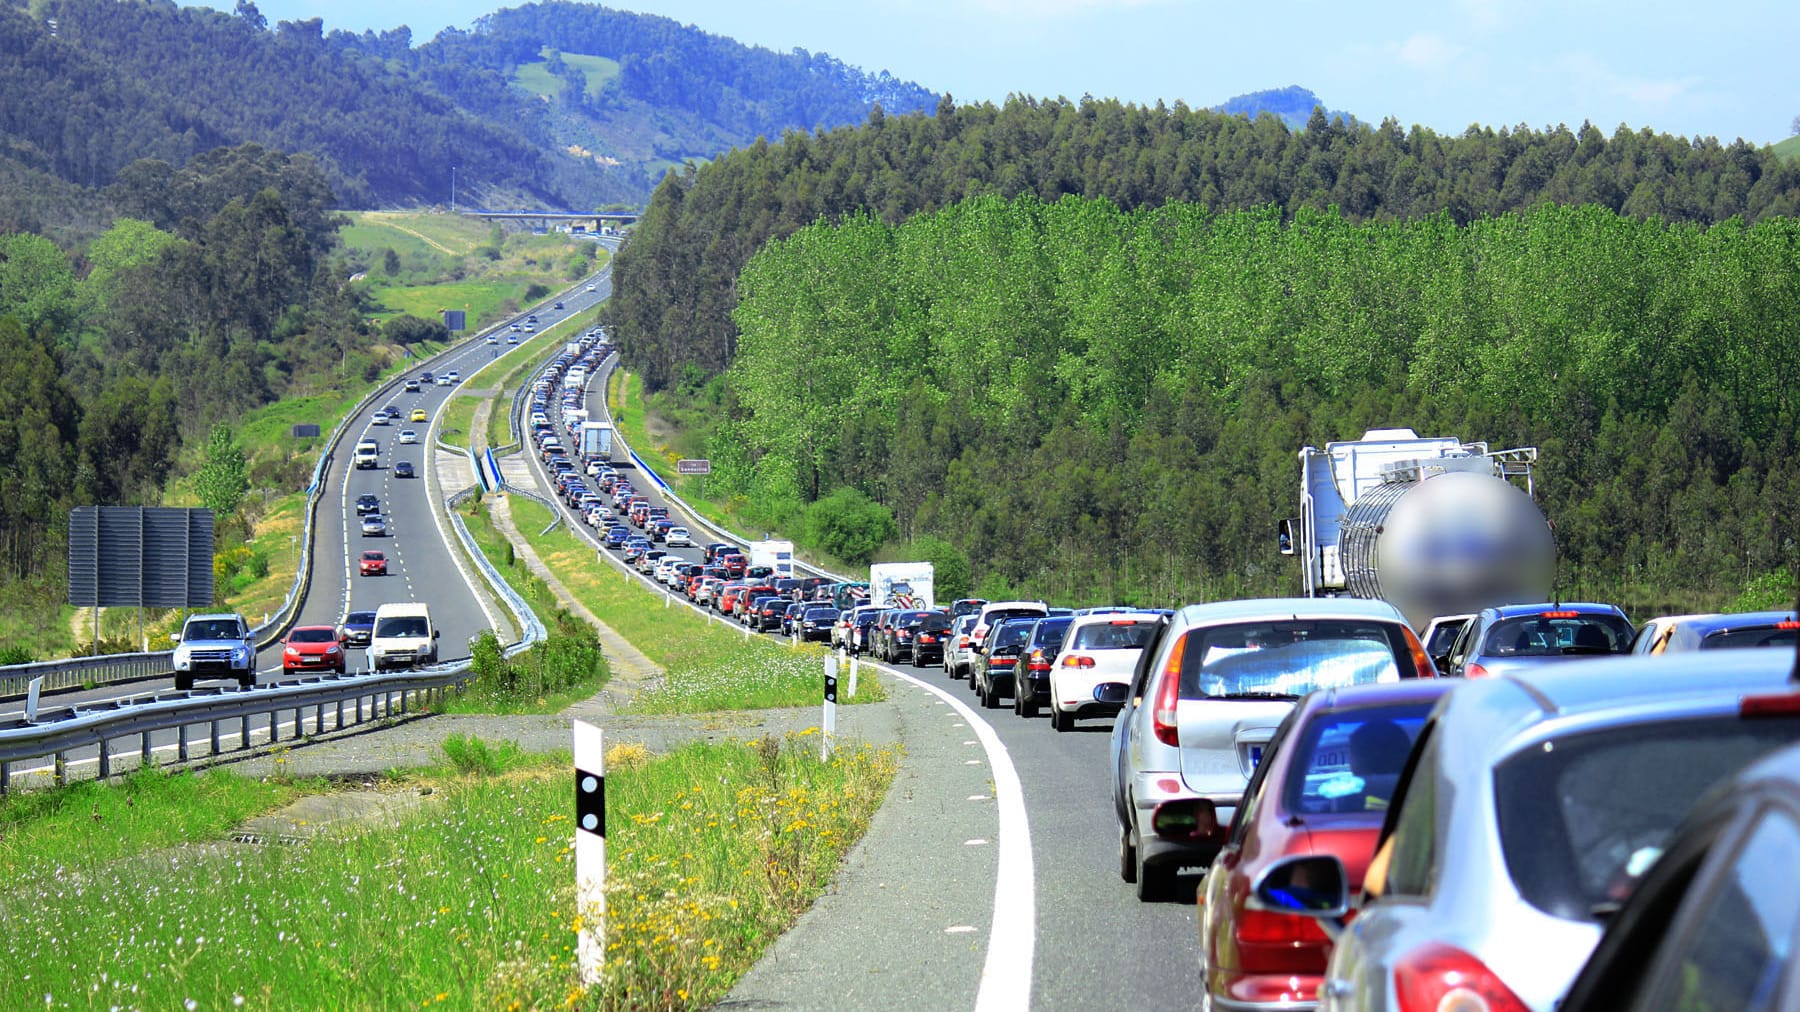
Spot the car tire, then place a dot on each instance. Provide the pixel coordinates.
(1018, 706)
(1061, 720)
(990, 699)
(1154, 882)
(184, 682)
(1127, 856)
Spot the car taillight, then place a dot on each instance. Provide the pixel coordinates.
(1443, 978)
(905, 634)
(962, 643)
(1422, 665)
(927, 638)
(1037, 662)
(1168, 697)
(1475, 670)
(1785, 704)
(1263, 927)
(1002, 661)
(1077, 661)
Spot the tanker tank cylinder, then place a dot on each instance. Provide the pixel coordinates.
(1450, 544)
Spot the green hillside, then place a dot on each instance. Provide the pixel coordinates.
(1789, 149)
(540, 78)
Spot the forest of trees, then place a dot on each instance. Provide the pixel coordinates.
(1100, 404)
(222, 295)
(676, 281)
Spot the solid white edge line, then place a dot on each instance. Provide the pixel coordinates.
(1012, 935)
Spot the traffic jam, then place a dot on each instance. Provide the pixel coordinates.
(1444, 791)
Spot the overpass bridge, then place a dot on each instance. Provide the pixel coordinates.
(581, 221)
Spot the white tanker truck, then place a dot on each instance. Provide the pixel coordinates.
(1433, 526)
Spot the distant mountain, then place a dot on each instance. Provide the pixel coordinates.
(553, 104)
(1293, 104)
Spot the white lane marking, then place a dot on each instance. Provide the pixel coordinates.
(1012, 937)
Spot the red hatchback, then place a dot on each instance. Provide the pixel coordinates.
(373, 563)
(1321, 787)
(312, 648)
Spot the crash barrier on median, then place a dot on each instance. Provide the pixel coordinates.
(531, 627)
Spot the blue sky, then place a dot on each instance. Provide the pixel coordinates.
(1679, 67)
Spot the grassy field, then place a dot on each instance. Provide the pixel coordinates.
(1789, 149)
(537, 79)
(712, 851)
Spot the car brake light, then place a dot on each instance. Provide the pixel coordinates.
(1263, 927)
(1787, 625)
(1786, 704)
(1123, 621)
(1422, 666)
(1442, 978)
(1560, 614)
(1168, 697)
(1077, 661)
(1038, 664)
(1001, 660)
(1475, 670)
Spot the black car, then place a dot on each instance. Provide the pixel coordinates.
(765, 612)
(426, 377)
(403, 469)
(862, 637)
(788, 587)
(898, 634)
(1031, 675)
(358, 627)
(367, 503)
(991, 673)
(790, 617)
(928, 638)
(816, 620)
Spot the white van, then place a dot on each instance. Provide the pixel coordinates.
(403, 637)
(367, 454)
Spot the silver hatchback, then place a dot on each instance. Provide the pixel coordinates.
(1206, 697)
(1531, 803)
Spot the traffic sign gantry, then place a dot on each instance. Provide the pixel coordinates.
(693, 467)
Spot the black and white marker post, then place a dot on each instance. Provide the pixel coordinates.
(829, 723)
(590, 850)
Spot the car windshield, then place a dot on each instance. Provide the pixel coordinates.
(1291, 657)
(1115, 634)
(821, 614)
(413, 626)
(213, 629)
(360, 618)
(314, 635)
(1558, 633)
(1582, 815)
(1779, 635)
(1350, 760)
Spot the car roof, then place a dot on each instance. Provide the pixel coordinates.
(1584, 607)
(1267, 608)
(1707, 624)
(1489, 719)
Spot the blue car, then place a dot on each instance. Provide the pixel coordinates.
(1509, 639)
(615, 538)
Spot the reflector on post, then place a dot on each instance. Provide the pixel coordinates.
(590, 850)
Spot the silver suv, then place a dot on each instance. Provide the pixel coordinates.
(1207, 695)
(215, 646)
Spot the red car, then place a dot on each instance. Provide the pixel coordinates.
(1321, 787)
(312, 648)
(373, 563)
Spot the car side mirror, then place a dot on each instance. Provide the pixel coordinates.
(435, 633)
(1115, 693)
(1313, 886)
(174, 637)
(1441, 661)
(1190, 820)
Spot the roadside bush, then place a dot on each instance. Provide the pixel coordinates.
(1768, 592)
(536, 291)
(952, 578)
(569, 658)
(470, 755)
(849, 525)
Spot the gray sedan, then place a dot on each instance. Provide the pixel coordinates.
(1532, 802)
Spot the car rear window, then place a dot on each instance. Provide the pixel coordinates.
(1581, 816)
(1779, 635)
(1292, 657)
(1052, 632)
(1012, 635)
(1553, 635)
(1116, 634)
(1350, 760)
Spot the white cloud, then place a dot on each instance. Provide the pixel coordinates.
(1427, 51)
(1587, 71)
(1485, 15)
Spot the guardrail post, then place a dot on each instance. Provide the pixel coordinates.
(5, 777)
(215, 738)
(319, 719)
(62, 768)
(402, 702)
(105, 761)
(340, 715)
(274, 728)
(244, 731)
(144, 749)
(181, 749)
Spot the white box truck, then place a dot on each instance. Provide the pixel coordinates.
(596, 443)
(902, 584)
(575, 379)
(777, 555)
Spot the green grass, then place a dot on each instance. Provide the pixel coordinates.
(712, 851)
(537, 79)
(709, 666)
(147, 810)
(1789, 149)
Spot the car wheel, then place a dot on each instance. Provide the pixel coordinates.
(247, 680)
(1153, 881)
(1127, 856)
(1029, 710)
(990, 699)
(184, 682)
(1018, 706)
(1061, 720)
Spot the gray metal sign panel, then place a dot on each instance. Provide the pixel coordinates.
(140, 556)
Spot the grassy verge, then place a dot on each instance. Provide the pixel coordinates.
(709, 666)
(712, 851)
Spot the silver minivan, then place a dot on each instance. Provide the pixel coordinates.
(1207, 695)
(1531, 803)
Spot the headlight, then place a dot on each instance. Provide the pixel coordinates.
(239, 653)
